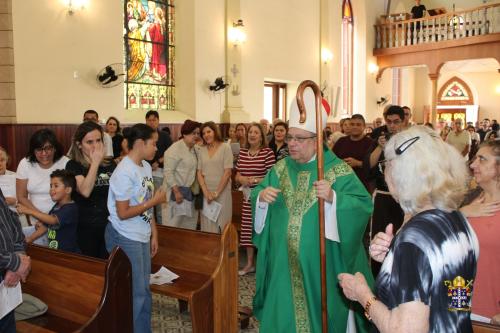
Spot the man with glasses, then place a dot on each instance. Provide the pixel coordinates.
(285, 210)
(385, 209)
(460, 139)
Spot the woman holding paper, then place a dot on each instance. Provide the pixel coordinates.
(253, 163)
(180, 173)
(215, 162)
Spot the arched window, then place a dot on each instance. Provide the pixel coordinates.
(455, 92)
(149, 54)
(347, 56)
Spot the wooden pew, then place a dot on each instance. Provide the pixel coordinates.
(478, 327)
(208, 268)
(237, 198)
(83, 294)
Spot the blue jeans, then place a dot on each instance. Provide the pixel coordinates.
(139, 255)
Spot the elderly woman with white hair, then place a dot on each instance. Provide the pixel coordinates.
(429, 266)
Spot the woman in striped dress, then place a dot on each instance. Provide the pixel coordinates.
(253, 163)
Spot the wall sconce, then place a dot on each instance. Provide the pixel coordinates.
(74, 5)
(372, 68)
(326, 55)
(236, 34)
(497, 89)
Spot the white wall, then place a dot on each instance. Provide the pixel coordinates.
(282, 45)
(483, 86)
(50, 46)
(373, 91)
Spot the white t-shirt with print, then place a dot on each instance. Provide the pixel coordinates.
(133, 183)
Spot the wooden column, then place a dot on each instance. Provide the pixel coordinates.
(434, 79)
(7, 91)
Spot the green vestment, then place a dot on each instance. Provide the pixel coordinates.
(288, 286)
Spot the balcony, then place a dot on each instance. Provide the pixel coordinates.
(433, 40)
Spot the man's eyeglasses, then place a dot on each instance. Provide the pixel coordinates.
(393, 122)
(46, 149)
(299, 139)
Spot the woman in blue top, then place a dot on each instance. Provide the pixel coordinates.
(133, 227)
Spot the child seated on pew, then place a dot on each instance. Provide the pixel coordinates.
(62, 219)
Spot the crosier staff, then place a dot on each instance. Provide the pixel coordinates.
(321, 207)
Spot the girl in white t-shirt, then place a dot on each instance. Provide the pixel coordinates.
(45, 155)
(131, 199)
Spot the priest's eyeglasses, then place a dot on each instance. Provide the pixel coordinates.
(399, 150)
(299, 139)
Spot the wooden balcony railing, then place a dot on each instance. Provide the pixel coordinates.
(430, 29)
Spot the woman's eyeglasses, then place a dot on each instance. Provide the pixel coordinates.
(46, 149)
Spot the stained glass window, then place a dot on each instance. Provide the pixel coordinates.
(455, 92)
(347, 57)
(149, 54)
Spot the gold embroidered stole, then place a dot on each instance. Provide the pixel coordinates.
(298, 201)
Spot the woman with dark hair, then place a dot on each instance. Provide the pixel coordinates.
(278, 143)
(92, 171)
(132, 222)
(115, 132)
(180, 173)
(215, 163)
(33, 173)
(253, 163)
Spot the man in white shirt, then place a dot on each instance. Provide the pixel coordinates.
(460, 139)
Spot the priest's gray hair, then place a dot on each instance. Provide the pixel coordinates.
(428, 171)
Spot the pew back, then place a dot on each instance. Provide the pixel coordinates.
(187, 250)
(83, 294)
(207, 265)
(237, 198)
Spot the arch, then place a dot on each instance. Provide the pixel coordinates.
(455, 92)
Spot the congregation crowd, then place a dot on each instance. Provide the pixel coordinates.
(421, 203)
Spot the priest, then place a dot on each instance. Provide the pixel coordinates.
(286, 234)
